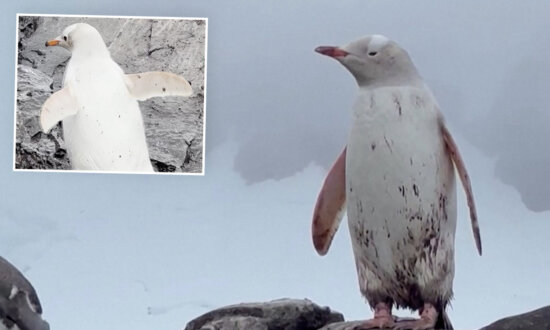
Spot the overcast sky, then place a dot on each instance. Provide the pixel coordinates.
(144, 252)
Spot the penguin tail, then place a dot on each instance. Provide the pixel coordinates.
(443, 321)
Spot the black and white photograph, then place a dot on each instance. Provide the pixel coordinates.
(110, 94)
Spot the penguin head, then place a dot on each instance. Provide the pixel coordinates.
(373, 60)
(79, 37)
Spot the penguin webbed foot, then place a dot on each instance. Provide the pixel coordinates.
(383, 319)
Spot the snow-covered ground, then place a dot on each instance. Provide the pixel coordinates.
(156, 264)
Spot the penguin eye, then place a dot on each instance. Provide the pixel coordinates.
(372, 53)
(65, 38)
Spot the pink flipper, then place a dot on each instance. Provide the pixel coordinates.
(330, 206)
(461, 169)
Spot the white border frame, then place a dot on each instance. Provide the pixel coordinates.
(202, 173)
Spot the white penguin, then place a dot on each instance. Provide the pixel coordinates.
(397, 178)
(20, 308)
(102, 123)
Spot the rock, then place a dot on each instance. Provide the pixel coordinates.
(351, 325)
(34, 149)
(20, 307)
(173, 125)
(298, 314)
(288, 314)
(538, 319)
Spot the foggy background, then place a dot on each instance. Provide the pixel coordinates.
(144, 252)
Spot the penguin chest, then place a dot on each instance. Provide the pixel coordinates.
(107, 132)
(401, 188)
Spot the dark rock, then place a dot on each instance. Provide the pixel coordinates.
(38, 156)
(162, 167)
(20, 308)
(173, 125)
(351, 325)
(288, 314)
(535, 320)
(295, 314)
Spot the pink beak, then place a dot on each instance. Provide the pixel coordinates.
(334, 52)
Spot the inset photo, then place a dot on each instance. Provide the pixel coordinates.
(110, 94)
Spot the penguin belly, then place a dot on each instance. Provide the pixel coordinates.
(401, 198)
(107, 133)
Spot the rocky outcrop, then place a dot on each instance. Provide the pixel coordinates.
(289, 314)
(34, 149)
(174, 125)
(352, 325)
(20, 306)
(298, 314)
(536, 320)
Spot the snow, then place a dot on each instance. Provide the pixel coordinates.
(160, 263)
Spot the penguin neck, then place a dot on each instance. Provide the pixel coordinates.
(90, 52)
(412, 79)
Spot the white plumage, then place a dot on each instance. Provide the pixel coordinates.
(401, 194)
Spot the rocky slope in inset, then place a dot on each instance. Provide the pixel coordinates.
(302, 314)
(174, 125)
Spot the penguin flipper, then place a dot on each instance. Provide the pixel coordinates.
(152, 84)
(452, 149)
(330, 206)
(57, 107)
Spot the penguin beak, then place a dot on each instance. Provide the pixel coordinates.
(53, 42)
(333, 52)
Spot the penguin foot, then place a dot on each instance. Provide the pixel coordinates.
(382, 318)
(428, 319)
